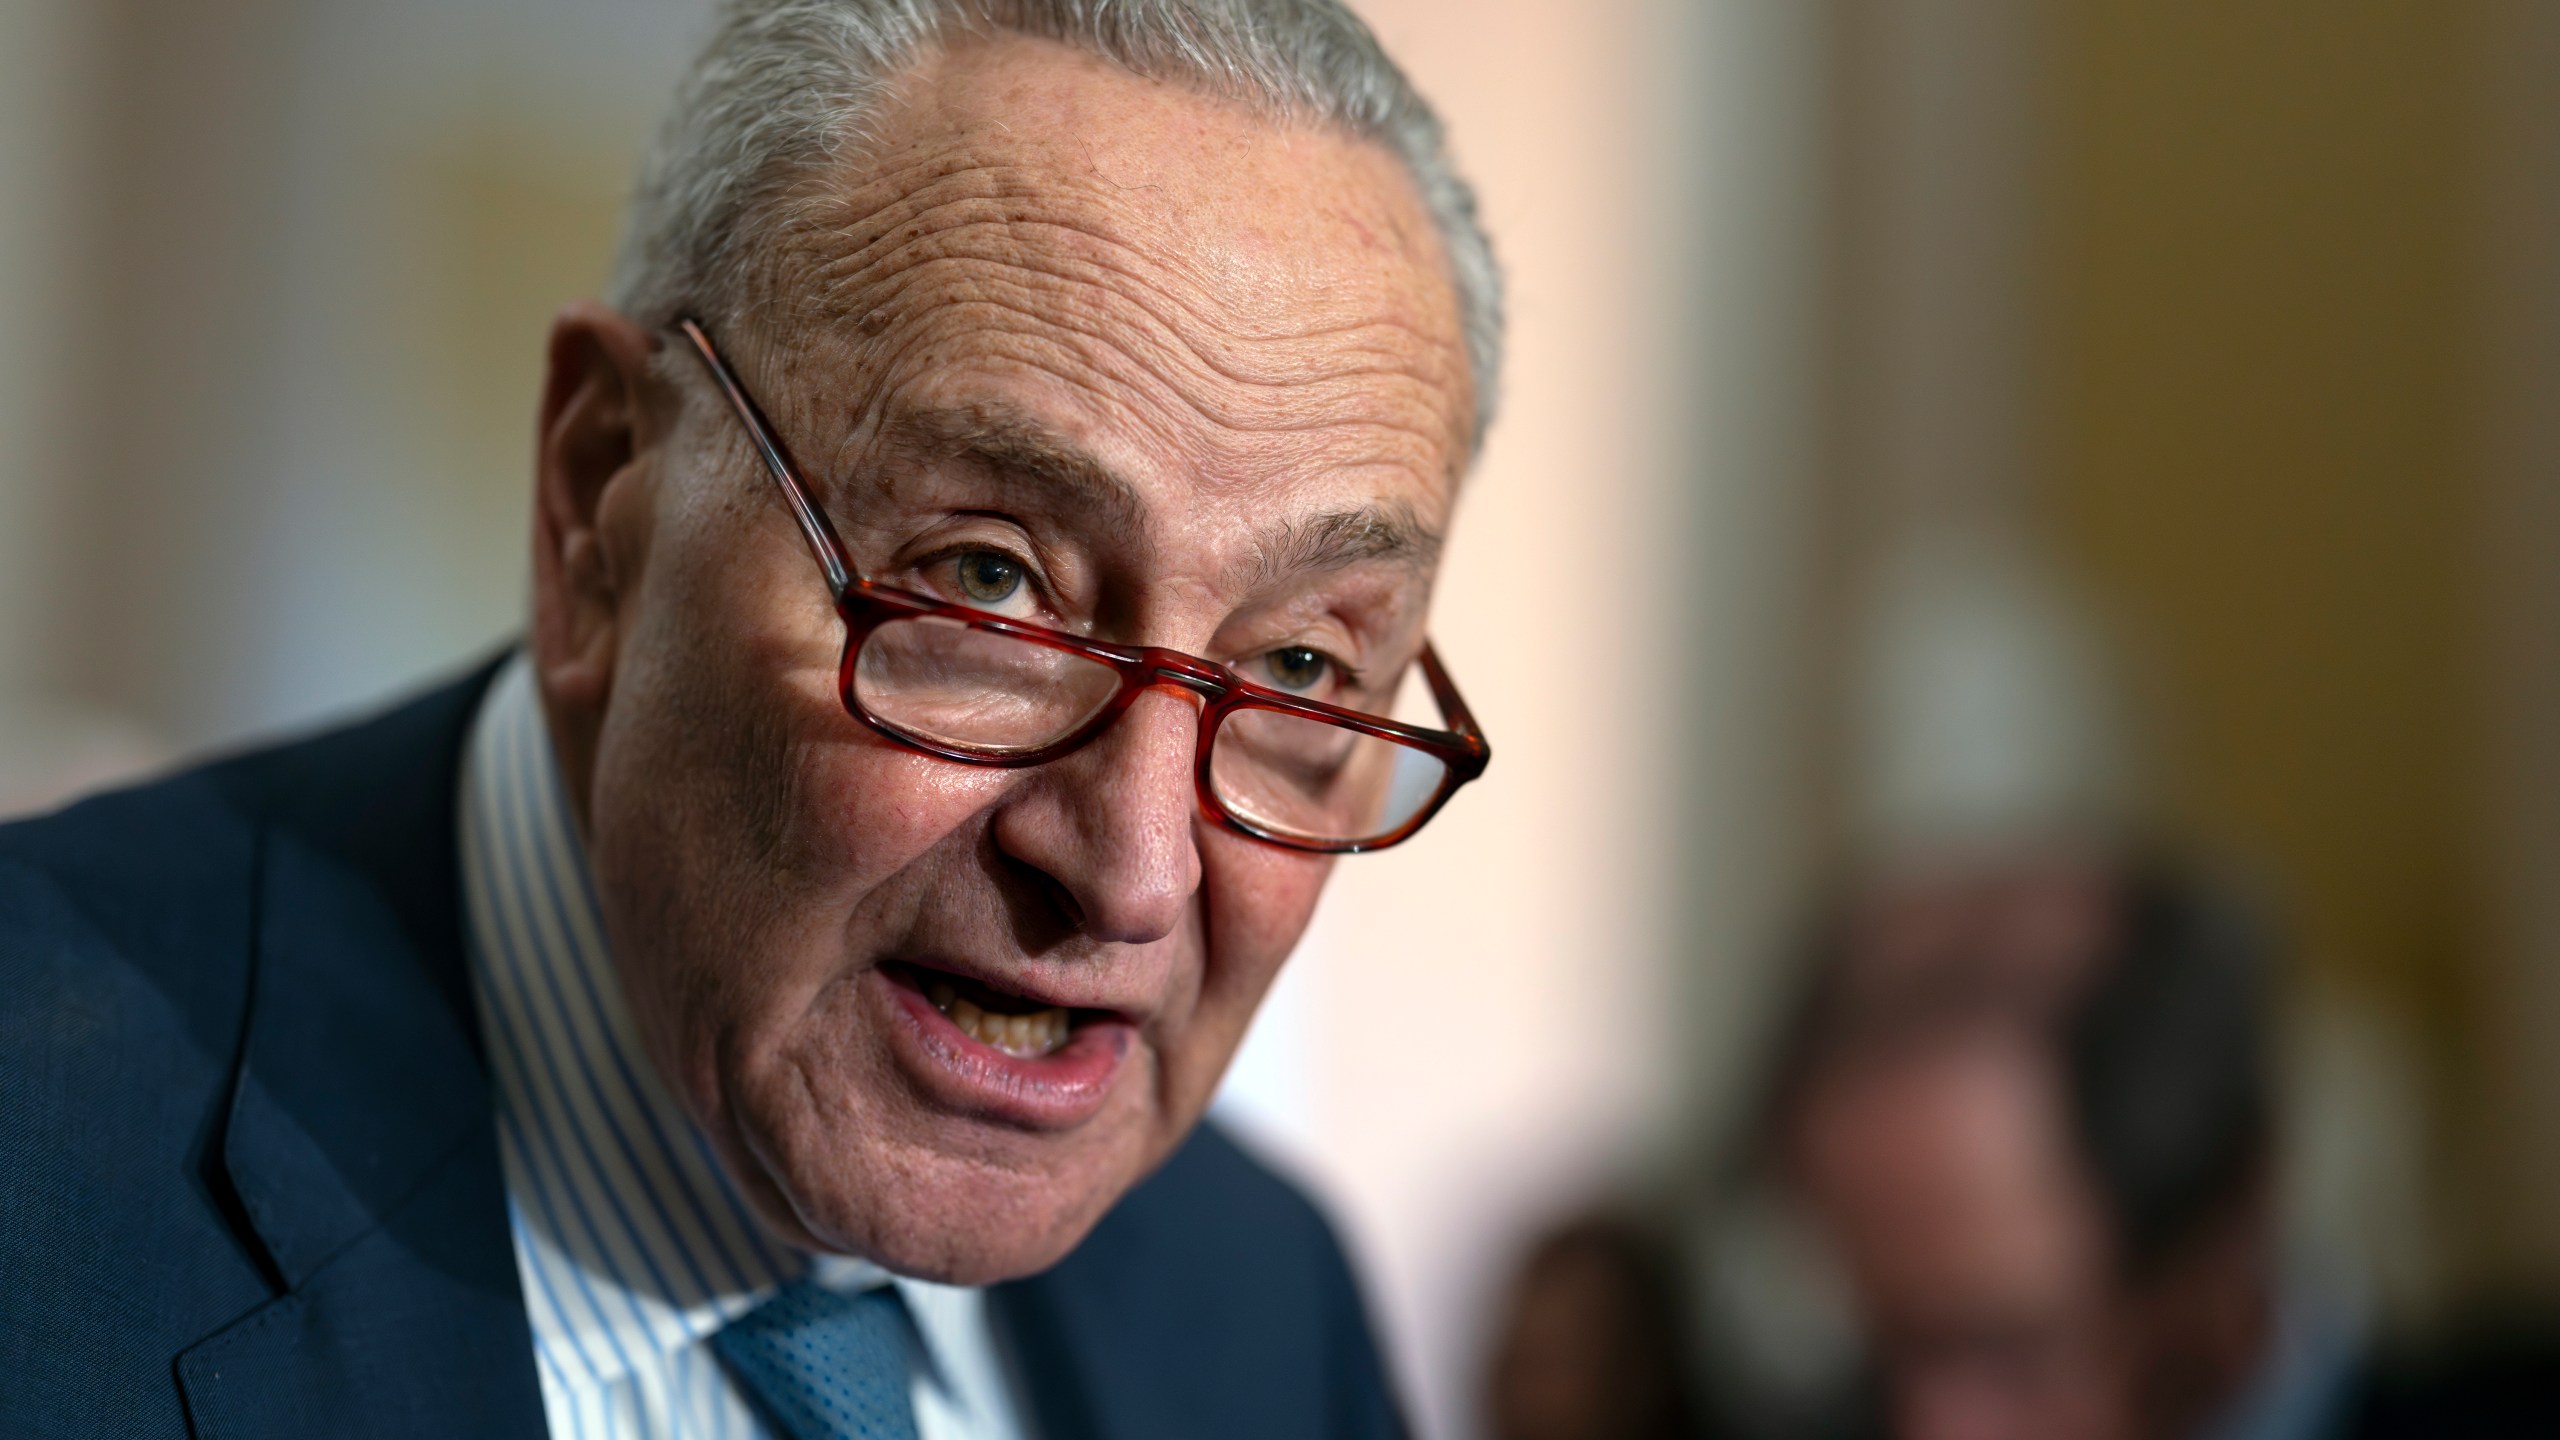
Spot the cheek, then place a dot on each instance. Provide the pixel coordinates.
(867, 836)
(1258, 900)
(866, 810)
(743, 819)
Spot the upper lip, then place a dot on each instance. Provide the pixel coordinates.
(1073, 990)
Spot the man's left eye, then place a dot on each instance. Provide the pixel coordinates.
(1295, 667)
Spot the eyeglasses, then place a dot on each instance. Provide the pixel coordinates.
(966, 685)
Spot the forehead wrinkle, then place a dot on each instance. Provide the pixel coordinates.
(984, 261)
(1002, 323)
(962, 233)
(889, 194)
(1004, 262)
(853, 240)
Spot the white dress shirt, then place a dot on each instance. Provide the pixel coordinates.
(632, 1245)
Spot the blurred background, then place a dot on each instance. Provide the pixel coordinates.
(1945, 439)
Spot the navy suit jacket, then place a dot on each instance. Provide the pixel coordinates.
(249, 1177)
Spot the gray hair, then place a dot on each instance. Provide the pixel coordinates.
(785, 87)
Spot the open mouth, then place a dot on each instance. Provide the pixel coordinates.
(1017, 1025)
(990, 1052)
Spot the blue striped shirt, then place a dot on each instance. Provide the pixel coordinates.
(632, 1245)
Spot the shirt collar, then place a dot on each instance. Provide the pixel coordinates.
(630, 1240)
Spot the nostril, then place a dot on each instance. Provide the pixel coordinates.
(1062, 898)
(1041, 908)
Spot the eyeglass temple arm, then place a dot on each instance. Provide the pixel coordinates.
(1462, 721)
(813, 521)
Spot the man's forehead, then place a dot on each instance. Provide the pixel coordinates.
(1138, 236)
(1043, 105)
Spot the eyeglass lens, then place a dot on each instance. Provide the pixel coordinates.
(958, 685)
(978, 690)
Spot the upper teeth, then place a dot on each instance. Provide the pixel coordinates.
(1027, 1036)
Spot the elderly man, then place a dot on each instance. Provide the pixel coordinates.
(980, 570)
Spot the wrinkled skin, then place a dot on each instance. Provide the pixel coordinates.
(1203, 378)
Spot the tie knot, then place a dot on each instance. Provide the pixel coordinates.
(826, 1365)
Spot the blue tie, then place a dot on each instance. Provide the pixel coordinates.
(825, 1366)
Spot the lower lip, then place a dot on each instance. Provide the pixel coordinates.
(960, 1072)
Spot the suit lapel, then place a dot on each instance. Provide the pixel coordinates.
(1057, 1361)
(1211, 1300)
(359, 1139)
(1092, 1348)
(415, 1328)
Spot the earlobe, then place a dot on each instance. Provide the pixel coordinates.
(596, 432)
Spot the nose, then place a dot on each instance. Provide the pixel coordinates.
(1110, 826)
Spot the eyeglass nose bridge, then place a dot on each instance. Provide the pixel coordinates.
(1171, 669)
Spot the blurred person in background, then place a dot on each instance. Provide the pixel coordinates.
(2022, 1133)
(2031, 1111)
(779, 998)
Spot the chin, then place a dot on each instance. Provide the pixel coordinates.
(959, 1222)
(944, 1198)
(966, 1233)
(875, 1126)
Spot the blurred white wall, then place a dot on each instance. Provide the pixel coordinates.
(49, 744)
(449, 174)
(40, 157)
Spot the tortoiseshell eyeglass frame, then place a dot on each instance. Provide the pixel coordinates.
(865, 606)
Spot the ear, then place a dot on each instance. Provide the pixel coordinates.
(593, 459)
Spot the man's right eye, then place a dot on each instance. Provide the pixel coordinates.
(986, 578)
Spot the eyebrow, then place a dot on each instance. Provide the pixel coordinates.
(1339, 538)
(1017, 447)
